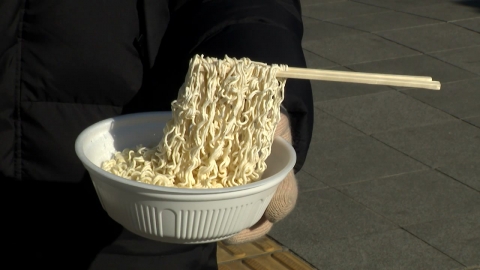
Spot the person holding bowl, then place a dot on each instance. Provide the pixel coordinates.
(65, 65)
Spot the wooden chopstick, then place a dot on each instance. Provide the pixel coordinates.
(358, 74)
(360, 77)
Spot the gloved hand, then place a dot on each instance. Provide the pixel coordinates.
(282, 203)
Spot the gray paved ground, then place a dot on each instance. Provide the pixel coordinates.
(392, 179)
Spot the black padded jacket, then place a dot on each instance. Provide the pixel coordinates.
(67, 64)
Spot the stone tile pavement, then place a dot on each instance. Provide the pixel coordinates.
(392, 179)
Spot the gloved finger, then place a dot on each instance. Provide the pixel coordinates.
(284, 199)
(283, 128)
(261, 228)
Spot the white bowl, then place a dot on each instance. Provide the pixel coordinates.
(175, 215)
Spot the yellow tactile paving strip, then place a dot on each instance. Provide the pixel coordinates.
(263, 254)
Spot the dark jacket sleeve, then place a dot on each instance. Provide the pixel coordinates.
(268, 31)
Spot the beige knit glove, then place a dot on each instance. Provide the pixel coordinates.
(282, 203)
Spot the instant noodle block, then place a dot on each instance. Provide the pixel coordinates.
(222, 128)
(171, 214)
